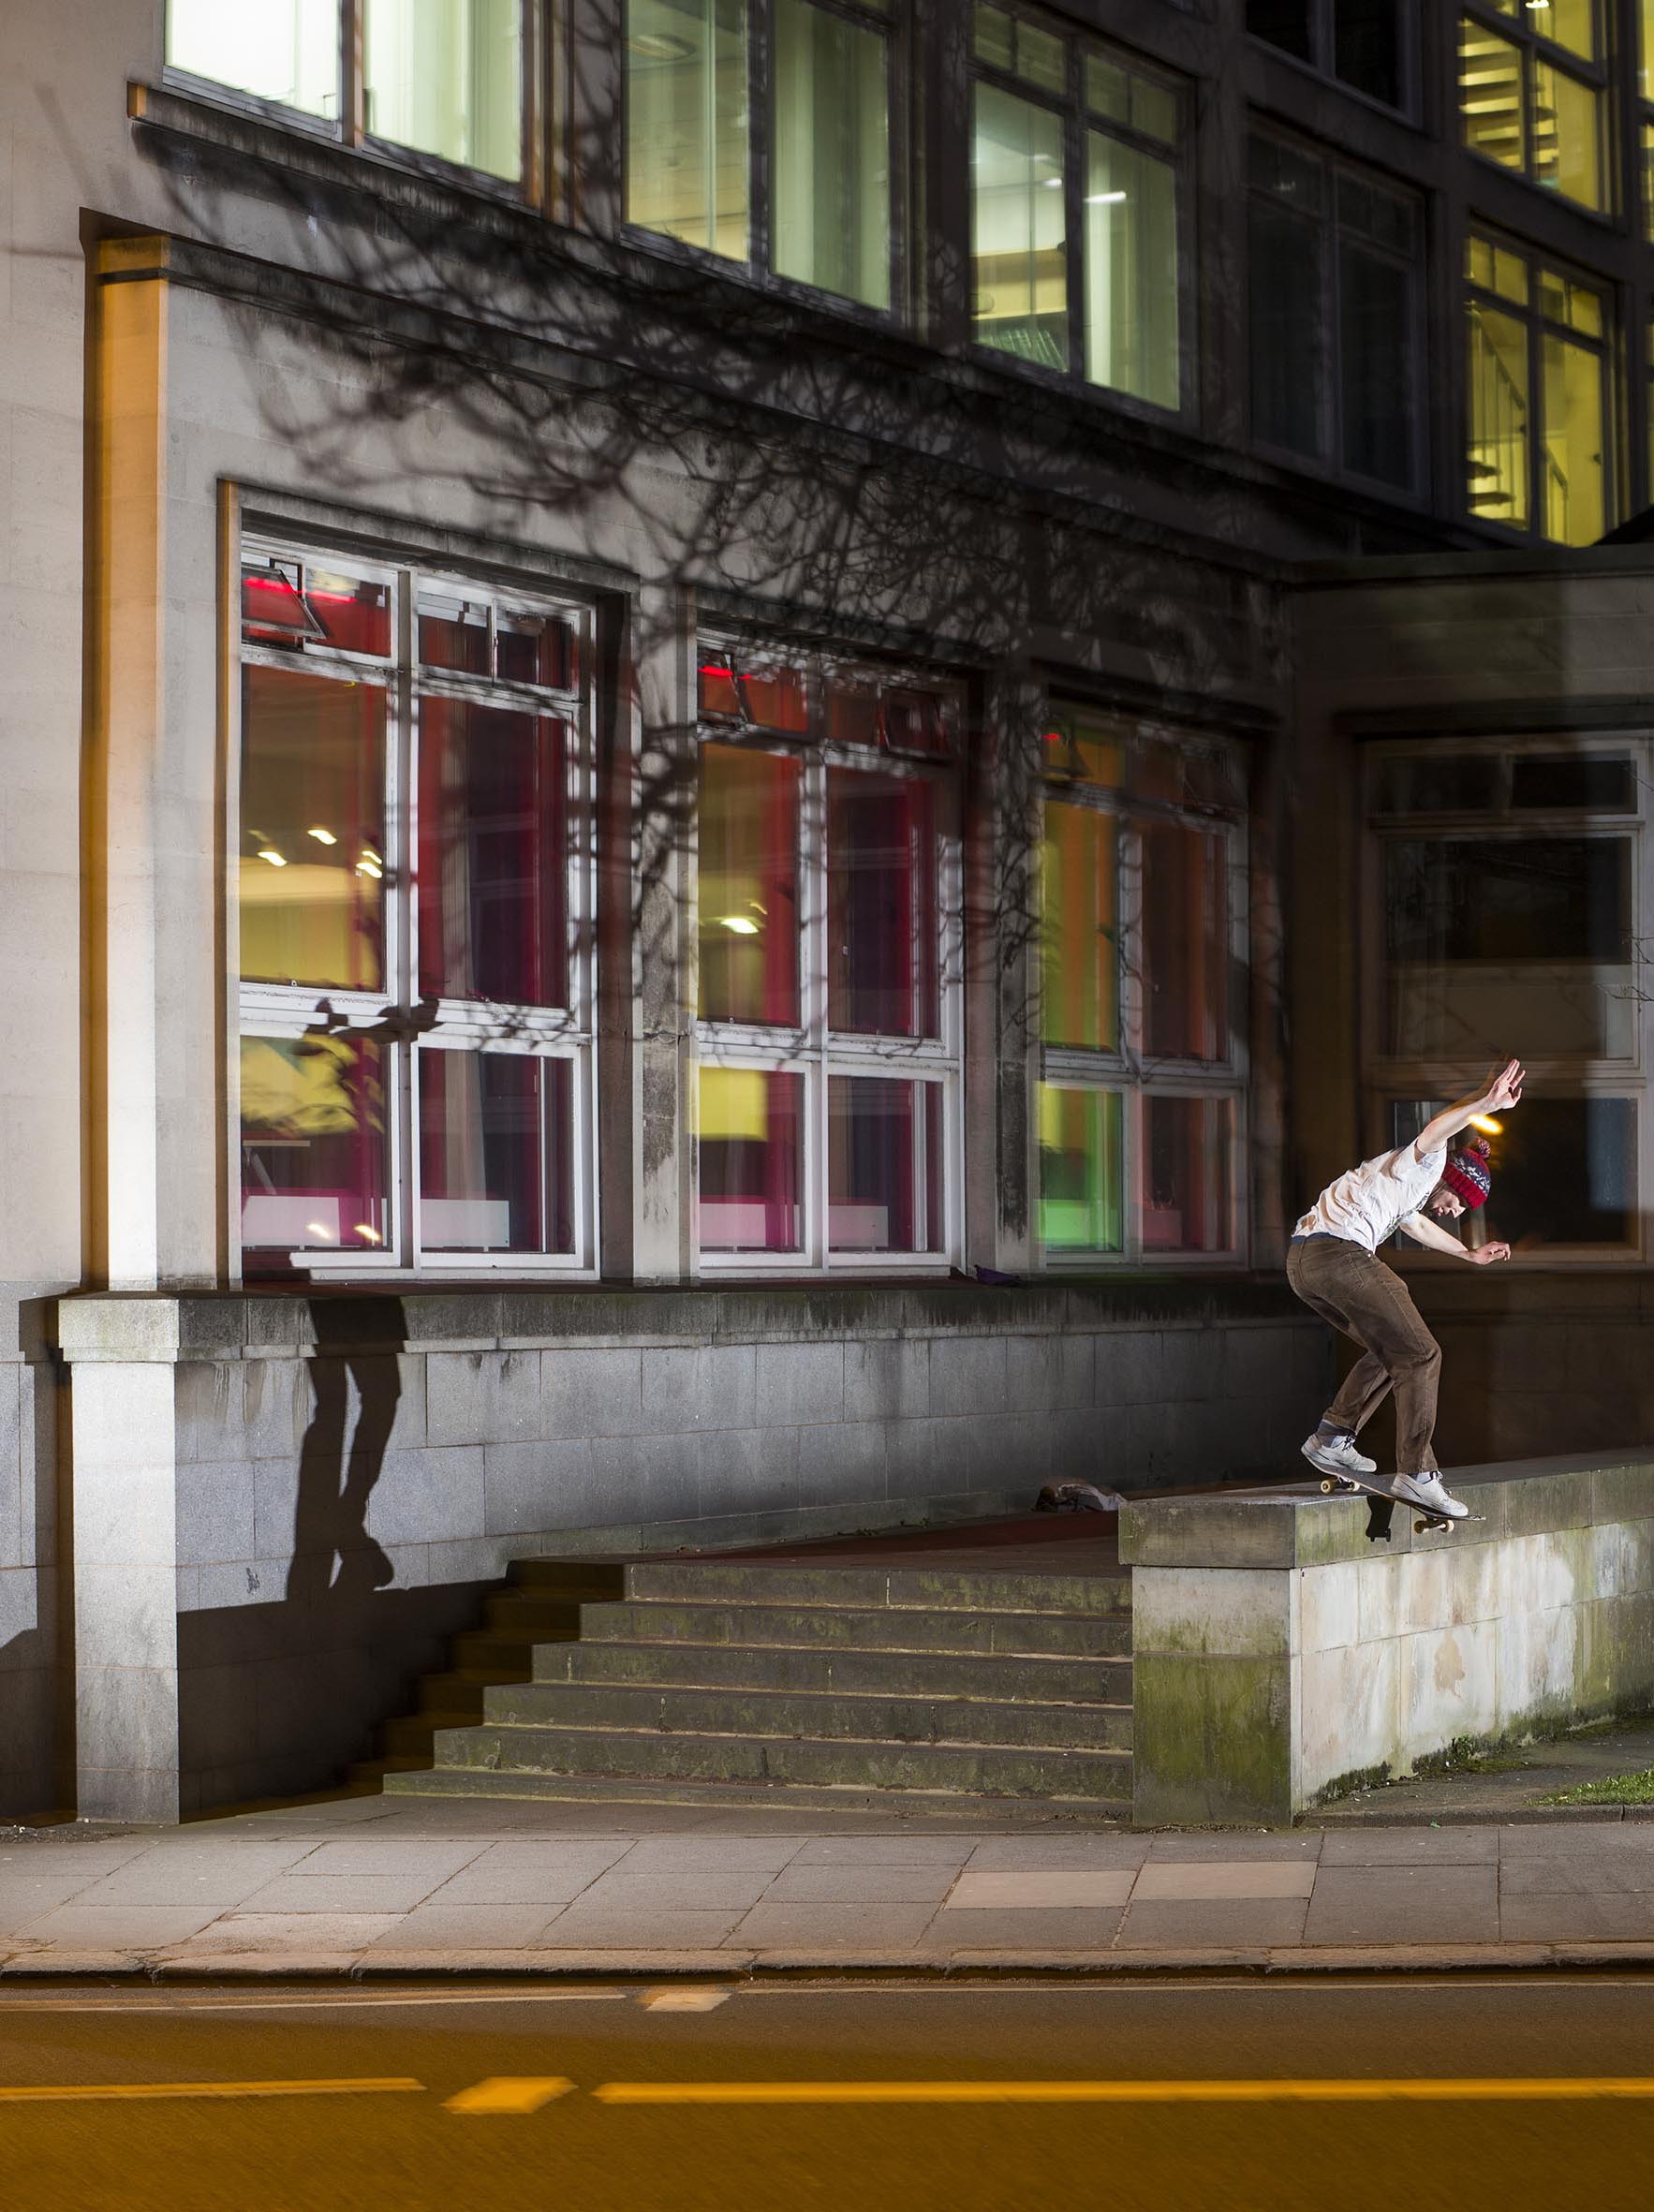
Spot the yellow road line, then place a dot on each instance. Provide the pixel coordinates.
(82, 2092)
(1173, 2092)
(509, 2092)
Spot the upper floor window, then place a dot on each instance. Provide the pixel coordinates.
(439, 77)
(1076, 190)
(1532, 94)
(690, 129)
(1361, 42)
(413, 906)
(1333, 275)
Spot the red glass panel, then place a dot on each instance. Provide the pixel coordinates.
(749, 922)
(750, 1147)
(915, 722)
(1186, 1200)
(492, 854)
(884, 1165)
(882, 905)
(776, 698)
(495, 1152)
(296, 604)
(453, 634)
(314, 1152)
(852, 710)
(1185, 942)
(721, 695)
(534, 649)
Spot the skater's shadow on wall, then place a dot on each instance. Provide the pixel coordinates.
(358, 1347)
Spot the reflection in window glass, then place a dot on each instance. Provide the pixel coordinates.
(748, 872)
(302, 608)
(1490, 95)
(1444, 783)
(286, 51)
(1288, 327)
(1575, 489)
(1498, 457)
(1375, 364)
(687, 121)
(493, 855)
(315, 1159)
(1185, 942)
(1186, 1148)
(1286, 23)
(1366, 48)
(884, 1168)
(497, 1171)
(311, 895)
(445, 77)
(1081, 1169)
(1080, 938)
(1600, 781)
(750, 1140)
(831, 153)
(1130, 272)
(1567, 133)
(1019, 230)
(882, 905)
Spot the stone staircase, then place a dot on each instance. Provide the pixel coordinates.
(806, 1684)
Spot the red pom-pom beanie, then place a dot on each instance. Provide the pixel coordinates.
(1466, 1173)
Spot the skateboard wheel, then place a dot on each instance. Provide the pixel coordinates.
(1328, 1486)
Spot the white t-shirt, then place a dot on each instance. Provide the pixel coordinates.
(1368, 1204)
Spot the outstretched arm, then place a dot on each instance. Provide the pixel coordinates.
(1425, 1232)
(1504, 1089)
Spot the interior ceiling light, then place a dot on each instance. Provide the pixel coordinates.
(277, 860)
(738, 926)
(366, 867)
(320, 1230)
(367, 1233)
(657, 46)
(322, 836)
(1103, 198)
(1485, 1121)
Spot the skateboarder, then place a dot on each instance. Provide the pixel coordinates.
(1334, 1267)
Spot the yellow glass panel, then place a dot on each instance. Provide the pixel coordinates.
(1497, 463)
(1080, 1169)
(1571, 24)
(1574, 472)
(1490, 95)
(1646, 49)
(1567, 136)
(1080, 936)
(749, 886)
(734, 1102)
(1648, 180)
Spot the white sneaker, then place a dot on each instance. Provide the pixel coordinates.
(1430, 1491)
(1339, 1457)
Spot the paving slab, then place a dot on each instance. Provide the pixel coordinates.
(1397, 1905)
(1412, 1847)
(1193, 1927)
(1168, 1881)
(1553, 1917)
(859, 1885)
(1041, 1889)
(840, 1928)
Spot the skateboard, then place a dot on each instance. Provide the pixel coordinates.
(1378, 1486)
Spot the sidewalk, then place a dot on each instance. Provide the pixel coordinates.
(371, 1886)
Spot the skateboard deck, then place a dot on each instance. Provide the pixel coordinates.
(1385, 1487)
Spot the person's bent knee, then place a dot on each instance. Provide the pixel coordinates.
(1422, 1358)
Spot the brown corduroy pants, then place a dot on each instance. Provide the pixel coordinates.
(1367, 1301)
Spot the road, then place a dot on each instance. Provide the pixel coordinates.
(448, 2099)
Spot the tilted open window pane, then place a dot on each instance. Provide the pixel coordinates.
(750, 1146)
(1019, 230)
(301, 607)
(1185, 896)
(312, 872)
(882, 905)
(1080, 928)
(1132, 272)
(1081, 1169)
(884, 1172)
(1188, 1146)
(687, 121)
(445, 77)
(493, 854)
(749, 859)
(831, 157)
(314, 1149)
(286, 51)
(497, 1146)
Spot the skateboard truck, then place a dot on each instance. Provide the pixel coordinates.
(1384, 1502)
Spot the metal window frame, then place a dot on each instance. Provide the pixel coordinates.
(1322, 59)
(1596, 76)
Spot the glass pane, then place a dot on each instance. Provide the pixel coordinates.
(1041, 58)
(685, 121)
(1132, 272)
(312, 893)
(914, 721)
(1284, 173)
(1497, 459)
(1564, 1172)
(1575, 487)
(300, 606)
(1366, 48)
(993, 36)
(1154, 110)
(832, 154)
(1079, 903)
(453, 634)
(1646, 47)
(1560, 780)
(882, 905)
(1019, 230)
(852, 709)
(1488, 938)
(535, 648)
(1081, 748)
(285, 50)
(1565, 134)
(1080, 1170)
(751, 1160)
(884, 1165)
(1184, 774)
(1570, 22)
(1108, 89)
(1375, 365)
(496, 1153)
(493, 855)
(1496, 268)
(1490, 95)
(315, 1159)
(1186, 1178)
(446, 76)
(749, 918)
(1185, 942)
(1288, 328)
(1449, 783)
(1286, 23)
(1648, 180)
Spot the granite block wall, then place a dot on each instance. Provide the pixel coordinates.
(31, 1675)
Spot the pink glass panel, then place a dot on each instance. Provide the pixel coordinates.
(721, 695)
(492, 854)
(1185, 942)
(1187, 1169)
(882, 905)
(750, 1146)
(884, 1165)
(495, 1152)
(313, 1151)
(453, 634)
(302, 604)
(748, 875)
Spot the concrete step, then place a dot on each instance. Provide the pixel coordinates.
(610, 1707)
(581, 1582)
(770, 1666)
(494, 1750)
(531, 1616)
(843, 1627)
(910, 1588)
(949, 1809)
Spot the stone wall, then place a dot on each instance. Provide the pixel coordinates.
(31, 1674)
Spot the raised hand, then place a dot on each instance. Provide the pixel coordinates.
(1505, 1090)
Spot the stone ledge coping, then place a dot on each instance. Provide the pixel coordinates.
(303, 1322)
(1294, 1526)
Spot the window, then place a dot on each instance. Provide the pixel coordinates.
(1538, 371)
(1361, 42)
(828, 1094)
(1332, 295)
(414, 919)
(1076, 261)
(1508, 879)
(1532, 86)
(831, 152)
(1140, 1096)
(439, 77)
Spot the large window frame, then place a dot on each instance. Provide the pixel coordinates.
(404, 1025)
(811, 1049)
(1318, 49)
(1388, 1078)
(1484, 26)
(1128, 1070)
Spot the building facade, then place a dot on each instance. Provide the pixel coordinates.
(740, 735)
